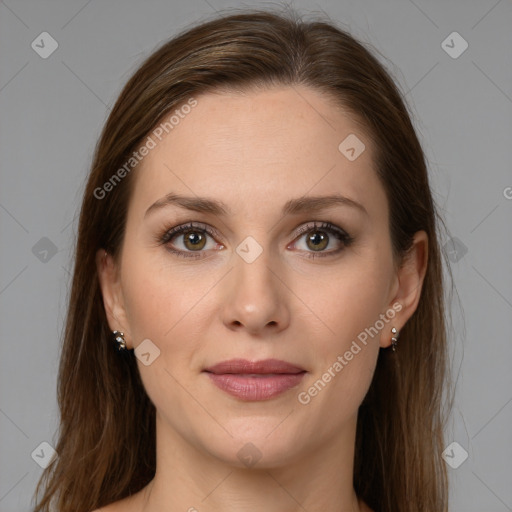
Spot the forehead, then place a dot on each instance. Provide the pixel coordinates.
(259, 148)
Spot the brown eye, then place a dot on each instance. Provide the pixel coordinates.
(194, 240)
(318, 241)
(314, 239)
(190, 240)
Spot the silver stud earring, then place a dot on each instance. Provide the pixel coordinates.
(119, 340)
(394, 339)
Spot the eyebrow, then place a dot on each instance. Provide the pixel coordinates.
(305, 204)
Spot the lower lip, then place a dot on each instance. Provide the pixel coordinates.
(247, 387)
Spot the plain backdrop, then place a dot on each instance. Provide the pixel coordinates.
(53, 108)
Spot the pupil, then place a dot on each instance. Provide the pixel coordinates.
(194, 238)
(318, 239)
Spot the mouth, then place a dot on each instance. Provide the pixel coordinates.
(255, 380)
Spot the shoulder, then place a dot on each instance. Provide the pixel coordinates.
(113, 507)
(123, 506)
(117, 506)
(107, 508)
(132, 503)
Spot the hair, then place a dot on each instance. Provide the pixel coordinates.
(106, 441)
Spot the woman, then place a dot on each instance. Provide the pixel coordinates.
(256, 319)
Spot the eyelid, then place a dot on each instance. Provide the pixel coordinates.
(328, 226)
(191, 225)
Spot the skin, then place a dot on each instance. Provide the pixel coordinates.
(254, 151)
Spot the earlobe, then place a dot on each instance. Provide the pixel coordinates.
(410, 279)
(109, 280)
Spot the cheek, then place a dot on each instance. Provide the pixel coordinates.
(166, 304)
(154, 303)
(161, 309)
(344, 303)
(348, 307)
(345, 360)
(150, 303)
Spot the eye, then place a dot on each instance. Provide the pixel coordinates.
(193, 238)
(318, 237)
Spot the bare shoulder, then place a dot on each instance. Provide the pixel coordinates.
(127, 505)
(124, 505)
(132, 503)
(108, 508)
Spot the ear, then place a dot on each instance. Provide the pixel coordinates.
(408, 285)
(110, 284)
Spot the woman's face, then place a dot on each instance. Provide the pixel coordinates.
(265, 283)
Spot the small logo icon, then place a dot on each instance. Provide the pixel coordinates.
(455, 249)
(454, 455)
(249, 455)
(454, 45)
(44, 250)
(249, 249)
(351, 147)
(44, 45)
(43, 454)
(146, 352)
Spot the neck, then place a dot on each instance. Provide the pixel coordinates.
(191, 479)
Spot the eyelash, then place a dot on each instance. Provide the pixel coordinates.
(203, 229)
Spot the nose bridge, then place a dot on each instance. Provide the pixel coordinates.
(254, 272)
(257, 298)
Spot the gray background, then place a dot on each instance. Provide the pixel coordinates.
(52, 111)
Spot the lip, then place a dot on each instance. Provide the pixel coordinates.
(243, 366)
(255, 380)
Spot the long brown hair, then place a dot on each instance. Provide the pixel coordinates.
(106, 440)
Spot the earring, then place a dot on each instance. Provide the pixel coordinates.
(119, 340)
(394, 339)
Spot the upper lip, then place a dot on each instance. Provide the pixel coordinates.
(243, 366)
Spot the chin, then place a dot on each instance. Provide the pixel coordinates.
(257, 443)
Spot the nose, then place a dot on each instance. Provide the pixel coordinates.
(257, 297)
